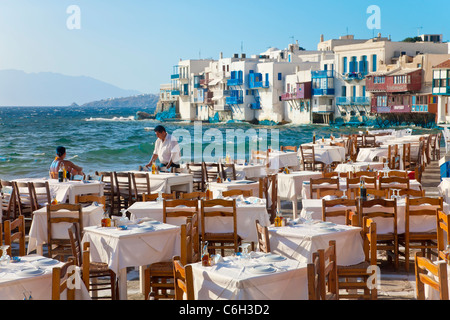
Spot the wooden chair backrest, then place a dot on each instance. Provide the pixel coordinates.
(90, 198)
(443, 236)
(308, 155)
(237, 192)
(190, 244)
(196, 169)
(262, 233)
(369, 235)
(193, 195)
(268, 189)
(289, 148)
(15, 230)
(154, 196)
(228, 170)
(349, 205)
(430, 208)
(123, 183)
(190, 207)
(75, 243)
(140, 183)
(40, 193)
(333, 184)
(183, 279)
(8, 199)
(211, 171)
(398, 173)
(437, 280)
(322, 274)
(364, 173)
(385, 208)
(220, 211)
(24, 197)
(393, 183)
(60, 281)
(260, 155)
(313, 270)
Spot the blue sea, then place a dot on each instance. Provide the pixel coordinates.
(111, 139)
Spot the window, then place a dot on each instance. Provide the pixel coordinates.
(280, 76)
(344, 65)
(353, 65)
(344, 91)
(374, 62)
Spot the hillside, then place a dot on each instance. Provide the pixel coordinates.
(147, 101)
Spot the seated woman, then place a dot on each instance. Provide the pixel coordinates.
(69, 165)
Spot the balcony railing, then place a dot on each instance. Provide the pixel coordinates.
(234, 82)
(343, 101)
(353, 76)
(419, 108)
(322, 74)
(175, 92)
(258, 84)
(323, 92)
(175, 76)
(234, 100)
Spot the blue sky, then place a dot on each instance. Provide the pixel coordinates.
(134, 44)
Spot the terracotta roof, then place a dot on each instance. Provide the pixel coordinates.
(443, 65)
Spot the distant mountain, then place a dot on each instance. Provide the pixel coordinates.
(145, 101)
(18, 88)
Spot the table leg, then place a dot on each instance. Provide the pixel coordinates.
(294, 209)
(142, 278)
(123, 295)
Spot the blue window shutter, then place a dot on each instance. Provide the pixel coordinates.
(280, 76)
(345, 64)
(374, 62)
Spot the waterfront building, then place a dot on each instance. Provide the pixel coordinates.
(355, 61)
(441, 88)
(167, 101)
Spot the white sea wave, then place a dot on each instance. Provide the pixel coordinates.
(130, 118)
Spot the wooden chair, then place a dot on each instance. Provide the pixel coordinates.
(354, 278)
(268, 189)
(89, 199)
(15, 231)
(193, 195)
(339, 208)
(159, 276)
(220, 241)
(179, 208)
(393, 157)
(8, 207)
(370, 141)
(412, 193)
(237, 192)
(430, 274)
(398, 173)
(316, 183)
(443, 236)
(419, 160)
(326, 270)
(364, 173)
(154, 196)
(184, 281)
(109, 190)
(40, 193)
(308, 159)
(334, 174)
(257, 156)
(406, 156)
(196, 169)
(25, 201)
(61, 277)
(376, 193)
(435, 146)
(420, 240)
(262, 233)
(288, 148)
(393, 183)
(102, 277)
(228, 170)
(123, 184)
(211, 171)
(353, 184)
(94, 177)
(383, 209)
(61, 247)
(140, 184)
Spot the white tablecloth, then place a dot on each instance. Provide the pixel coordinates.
(358, 166)
(250, 171)
(68, 190)
(215, 187)
(246, 215)
(280, 159)
(14, 286)
(290, 185)
(326, 153)
(444, 189)
(168, 182)
(384, 225)
(230, 280)
(131, 248)
(300, 241)
(92, 216)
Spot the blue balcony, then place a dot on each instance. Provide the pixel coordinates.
(255, 106)
(353, 76)
(347, 101)
(175, 92)
(175, 76)
(322, 74)
(234, 82)
(258, 84)
(323, 92)
(234, 100)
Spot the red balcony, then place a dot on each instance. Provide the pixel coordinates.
(398, 81)
(302, 91)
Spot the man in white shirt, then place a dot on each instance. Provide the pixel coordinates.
(166, 150)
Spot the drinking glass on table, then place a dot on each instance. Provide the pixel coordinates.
(5, 258)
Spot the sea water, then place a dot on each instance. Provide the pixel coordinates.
(111, 139)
